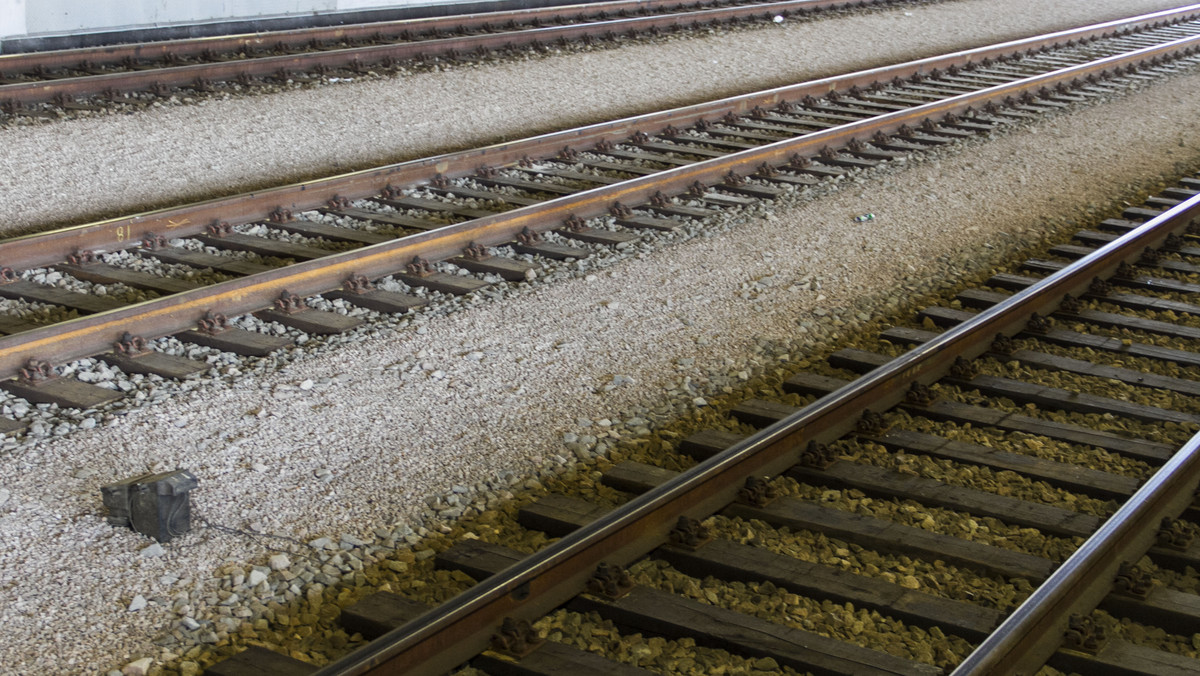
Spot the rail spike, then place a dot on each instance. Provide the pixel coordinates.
(757, 492)
(964, 368)
(339, 202)
(419, 266)
(574, 223)
(8, 275)
(476, 251)
(1070, 304)
(689, 534)
(920, 394)
(1176, 534)
(871, 423)
(611, 582)
(516, 638)
(213, 323)
(82, 257)
(817, 455)
(36, 372)
(218, 228)
(1133, 581)
(1084, 635)
(798, 162)
(151, 241)
(1038, 324)
(131, 345)
(357, 284)
(1100, 287)
(528, 236)
(289, 303)
(1003, 344)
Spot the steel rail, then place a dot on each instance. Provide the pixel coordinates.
(93, 334)
(126, 231)
(15, 64)
(1028, 637)
(440, 639)
(358, 57)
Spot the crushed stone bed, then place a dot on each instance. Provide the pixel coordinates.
(440, 414)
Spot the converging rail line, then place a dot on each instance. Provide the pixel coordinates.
(1126, 288)
(404, 223)
(64, 77)
(1112, 292)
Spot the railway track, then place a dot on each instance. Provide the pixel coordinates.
(86, 78)
(253, 237)
(1044, 442)
(369, 238)
(558, 196)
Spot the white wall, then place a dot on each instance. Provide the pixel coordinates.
(12, 17)
(21, 18)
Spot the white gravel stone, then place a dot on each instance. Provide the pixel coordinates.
(398, 435)
(139, 667)
(153, 551)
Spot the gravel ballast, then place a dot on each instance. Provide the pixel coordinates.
(347, 443)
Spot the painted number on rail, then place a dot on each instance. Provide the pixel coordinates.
(123, 233)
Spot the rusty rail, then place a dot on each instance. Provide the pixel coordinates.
(438, 641)
(1035, 630)
(95, 333)
(124, 232)
(358, 57)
